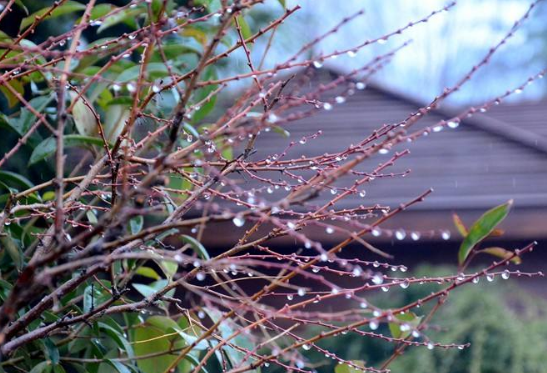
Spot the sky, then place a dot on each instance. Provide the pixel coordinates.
(441, 51)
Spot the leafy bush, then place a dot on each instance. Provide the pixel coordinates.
(115, 170)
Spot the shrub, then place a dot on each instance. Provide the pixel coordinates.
(113, 165)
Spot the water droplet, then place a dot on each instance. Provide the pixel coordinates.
(272, 118)
(116, 87)
(475, 280)
(7, 222)
(95, 23)
(62, 42)
(373, 325)
(290, 297)
(505, 275)
(453, 124)
(301, 292)
(461, 347)
(238, 221)
(317, 64)
(445, 235)
(382, 41)
(518, 91)
(327, 106)
(438, 128)
(329, 230)
(376, 232)
(356, 272)
(324, 257)
(306, 347)
(363, 305)
(385, 289)
(131, 87)
(383, 151)
(315, 269)
(489, 277)
(351, 54)
(156, 89)
(360, 86)
(200, 276)
(416, 334)
(430, 346)
(291, 225)
(405, 284)
(415, 236)
(307, 245)
(201, 314)
(400, 234)
(378, 279)
(303, 140)
(340, 99)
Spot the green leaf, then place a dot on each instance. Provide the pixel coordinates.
(482, 228)
(65, 8)
(197, 246)
(501, 253)
(47, 147)
(83, 116)
(283, 3)
(43, 367)
(13, 250)
(13, 179)
(282, 131)
(51, 351)
(119, 366)
(151, 338)
(18, 87)
(245, 29)
(154, 70)
(118, 337)
(169, 268)
(135, 224)
(127, 15)
(202, 93)
(408, 318)
(460, 226)
(147, 272)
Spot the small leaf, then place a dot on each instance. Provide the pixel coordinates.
(245, 29)
(203, 93)
(47, 147)
(169, 268)
(135, 224)
(84, 118)
(43, 367)
(459, 225)
(482, 228)
(17, 86)
(197, 246)
(282, 131)
(501, 253)
(65, 8)
(13, 250)
(127, 15)
(408, 318)
(51, 351)
(147, 272)
(283, 3)
(13, 179)
(115, 118)
(119, 366)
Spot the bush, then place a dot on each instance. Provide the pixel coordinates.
(115, 168)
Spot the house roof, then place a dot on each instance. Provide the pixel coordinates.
(486, 161)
